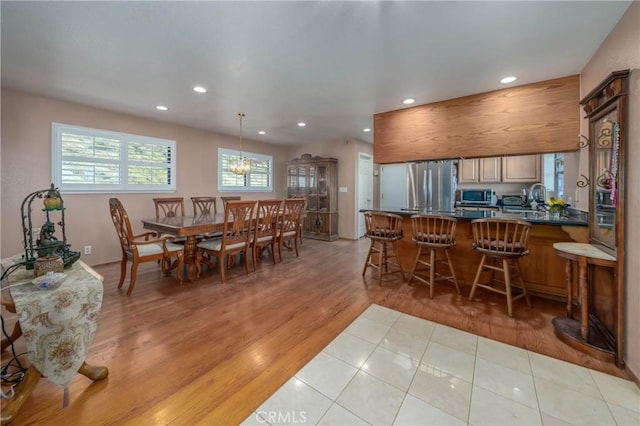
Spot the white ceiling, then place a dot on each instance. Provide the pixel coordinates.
(329, 64)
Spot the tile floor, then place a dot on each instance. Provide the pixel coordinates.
(391, 368)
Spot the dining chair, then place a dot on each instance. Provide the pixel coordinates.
(503, 242)
(289, 228)
(142, 248)
(169, 207)
(304, 214)
(229, 198)
(204, 206)
(236, 233)
(264, 232)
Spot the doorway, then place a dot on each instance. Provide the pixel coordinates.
(365, 188)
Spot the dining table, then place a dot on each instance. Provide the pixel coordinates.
(189, 227)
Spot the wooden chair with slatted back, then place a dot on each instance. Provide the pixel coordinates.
(384, 230)
(289, 228)
(204, 206)
(304, 214)
(169, 207)
(432, 235)
(265, 230)
(503, 242)
(229, 198)
(236, 234)
(144, 247)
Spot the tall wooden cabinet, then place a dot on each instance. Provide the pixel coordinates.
(316, 179)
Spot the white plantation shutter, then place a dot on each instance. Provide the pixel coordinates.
(260, 178)
(91, 160)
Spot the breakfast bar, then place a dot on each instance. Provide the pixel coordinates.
(543, 270)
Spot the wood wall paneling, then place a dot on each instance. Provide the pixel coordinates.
(535, 118)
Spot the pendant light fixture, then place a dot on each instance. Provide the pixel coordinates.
(240, 166)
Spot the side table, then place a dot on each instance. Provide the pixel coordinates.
(587, 335)
(59, 325)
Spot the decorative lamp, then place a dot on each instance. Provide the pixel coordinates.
(45, 244)
(240, 166)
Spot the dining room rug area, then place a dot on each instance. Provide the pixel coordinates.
(390, 368)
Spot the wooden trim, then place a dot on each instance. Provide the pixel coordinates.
(530, 119)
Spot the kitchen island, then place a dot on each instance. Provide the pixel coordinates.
(543, 270)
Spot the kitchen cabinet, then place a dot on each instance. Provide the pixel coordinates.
(514, 169)
(316, 179)
(475, 170)
(521, 168)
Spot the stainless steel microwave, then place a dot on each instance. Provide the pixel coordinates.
(480, 196)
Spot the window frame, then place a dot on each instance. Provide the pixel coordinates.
(124, 139)
(246, 187)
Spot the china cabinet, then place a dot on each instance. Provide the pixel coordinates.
(599, 330)
(316, 179)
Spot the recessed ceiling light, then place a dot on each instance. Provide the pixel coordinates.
(262, 132)
(162, 108)
(408, 101)
(509, 79)
(366, 130)
(301, 124)
(199, 89)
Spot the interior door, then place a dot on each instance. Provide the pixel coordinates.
(365, 188)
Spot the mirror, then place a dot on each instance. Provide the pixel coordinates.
(606, 109)
(604, 182)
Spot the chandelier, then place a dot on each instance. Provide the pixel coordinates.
(241, 165)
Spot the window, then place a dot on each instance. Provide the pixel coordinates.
(260, 178)
(91, 160)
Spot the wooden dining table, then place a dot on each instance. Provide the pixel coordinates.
(188, 227)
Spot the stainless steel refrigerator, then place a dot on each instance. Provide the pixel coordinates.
(431, 185)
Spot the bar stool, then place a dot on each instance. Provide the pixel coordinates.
(384, 230)
(433, 234)
(504, 241)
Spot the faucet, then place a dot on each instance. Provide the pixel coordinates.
(539, 196)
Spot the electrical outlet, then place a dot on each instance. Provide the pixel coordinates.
(87, 249)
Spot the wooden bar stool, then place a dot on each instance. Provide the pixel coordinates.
(433, 234)
(384, 230)
(504, 241)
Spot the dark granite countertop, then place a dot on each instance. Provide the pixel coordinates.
(574, 218)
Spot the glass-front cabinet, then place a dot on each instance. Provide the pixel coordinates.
(316, 179)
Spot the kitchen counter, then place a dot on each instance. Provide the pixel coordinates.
(543, 270)
(575, 218)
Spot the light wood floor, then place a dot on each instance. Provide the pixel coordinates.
(206, 353)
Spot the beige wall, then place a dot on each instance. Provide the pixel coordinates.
(346, 151)
(26, 167)
(621, 50)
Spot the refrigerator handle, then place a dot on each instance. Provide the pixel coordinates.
(428, 182)
(411, 187)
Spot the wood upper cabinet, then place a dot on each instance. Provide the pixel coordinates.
(474, 170)
(521, 168)
(516, 169)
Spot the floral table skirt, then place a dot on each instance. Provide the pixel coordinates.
(58, 324)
